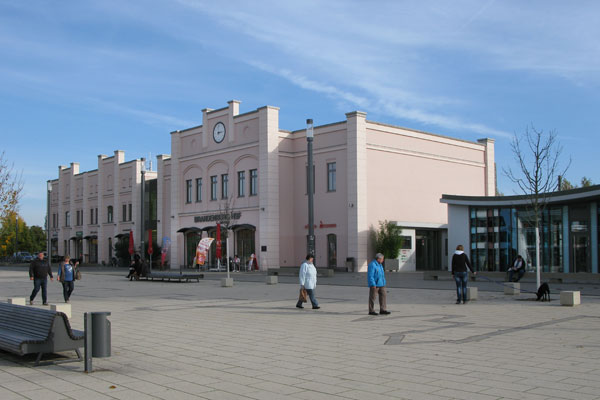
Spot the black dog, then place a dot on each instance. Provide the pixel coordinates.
(543, 292)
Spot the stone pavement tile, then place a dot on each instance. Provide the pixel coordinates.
(172, 394)
(284, 380)
(589, 390)
(459, 394)
(59, 385)
(362, 395)
(469, 387)
(310, 395)
(265, 395)
(188, 387)
(447, 376)
(365, 387)
(232, 387)
(512, 394)
(6, 394)
(7, 377)
(20, 385)
(87, 394)
(221, 395)
(321, 387)
(144, 387)
(197, 379)
(412, 386)
(42, 394)
(133, 395)
(409, 394)
(277, 388)
(561, 394)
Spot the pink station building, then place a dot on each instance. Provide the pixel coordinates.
(247, 167)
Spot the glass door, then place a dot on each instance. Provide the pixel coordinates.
(580, 253)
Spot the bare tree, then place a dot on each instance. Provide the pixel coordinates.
(538, 156)
(226, 220)
(11, 187)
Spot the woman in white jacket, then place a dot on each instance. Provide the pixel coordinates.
(308, 281)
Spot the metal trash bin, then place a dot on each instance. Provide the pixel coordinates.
(100, 334)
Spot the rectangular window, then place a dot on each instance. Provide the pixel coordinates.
(188, 191)
(224, 186)
(124, 214)
(96, 216)
(241, 183)
(109, 214)
(331, 170)
(213, 187)
(91, 216)
(253, 182)
(130, 214)
(198, 190)
(67, 218)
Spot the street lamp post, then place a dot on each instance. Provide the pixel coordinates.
(48, 245)
(310, 239)
(142, 206)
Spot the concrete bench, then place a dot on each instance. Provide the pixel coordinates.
(29, 330)
(472, 293)
(63, 308)
(570, 298)
(16, 300)
(272, 280)
(512, 288)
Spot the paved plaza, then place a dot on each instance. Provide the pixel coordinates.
(202, 341)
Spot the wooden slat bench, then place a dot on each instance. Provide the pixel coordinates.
(29, 330)
(169, 276)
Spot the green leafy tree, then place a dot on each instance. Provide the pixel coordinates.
(11, 187)
(387, 239)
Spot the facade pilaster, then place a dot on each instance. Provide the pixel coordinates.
(176, 252)
(234, 109)
(490, 166)
(268, 186)
(356, 131)
(103, 234)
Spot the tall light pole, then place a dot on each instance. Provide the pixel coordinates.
(48, 246)
(310, 239)
(142, 206)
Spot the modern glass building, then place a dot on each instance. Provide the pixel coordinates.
(497, 229)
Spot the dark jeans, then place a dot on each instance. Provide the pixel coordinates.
(461, 285)
(311, 296)
(68, 289)
(520, 273)
(37, 283)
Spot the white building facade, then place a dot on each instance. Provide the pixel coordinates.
(247, 167)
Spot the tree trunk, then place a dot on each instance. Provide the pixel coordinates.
(537, 255)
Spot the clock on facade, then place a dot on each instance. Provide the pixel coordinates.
(219, 132)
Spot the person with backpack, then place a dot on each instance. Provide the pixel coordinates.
(66, 276)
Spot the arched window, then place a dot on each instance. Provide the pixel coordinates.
(109, 214)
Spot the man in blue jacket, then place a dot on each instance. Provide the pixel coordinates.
(376, 280)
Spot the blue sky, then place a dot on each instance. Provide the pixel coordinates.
(80, 78)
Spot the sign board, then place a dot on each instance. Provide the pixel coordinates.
(218, 217)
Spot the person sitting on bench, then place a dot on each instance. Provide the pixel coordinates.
(518, 267)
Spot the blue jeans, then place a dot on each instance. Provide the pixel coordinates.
(520, 273)
(461, 285)
(311, 296)
(37, 283)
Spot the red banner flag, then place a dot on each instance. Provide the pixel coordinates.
(218, 255)
(131, 246)
(150, 249)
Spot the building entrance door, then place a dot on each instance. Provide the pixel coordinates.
(244, 246)
(428, 250)
(580, 252)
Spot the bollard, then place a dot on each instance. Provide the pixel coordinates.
(512, 288)
(227, 282)
(272, 280)
(471, 293)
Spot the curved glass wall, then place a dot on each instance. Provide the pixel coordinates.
(498, 235)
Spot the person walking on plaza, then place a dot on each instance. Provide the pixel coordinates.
(66, 276)
(460, 263)
(376, 281)
(308, 281)
(38, 273)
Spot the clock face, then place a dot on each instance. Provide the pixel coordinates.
(219, 132)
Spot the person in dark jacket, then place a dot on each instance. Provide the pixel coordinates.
(460, 263)
(38, 273)
(518, 267)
